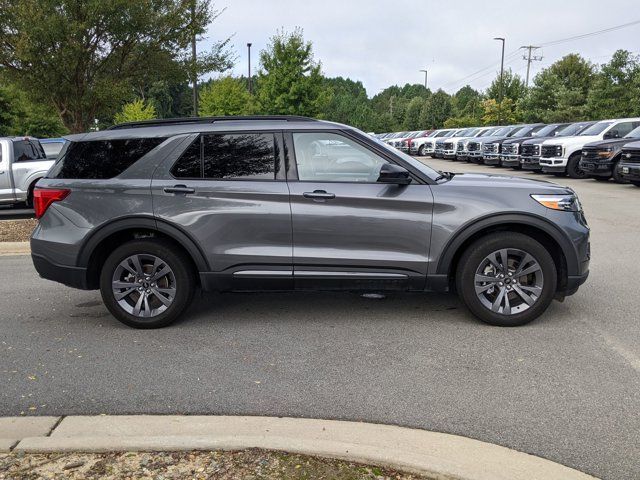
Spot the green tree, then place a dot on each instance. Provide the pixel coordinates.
(135, 111)
(436, 110)
(412, 115)
(226, 96)
(499, 113)
(559, 92)
(84, 57)
(19, 116)
(347, 103)
(289, 79)
(616, 87)
(513, 84)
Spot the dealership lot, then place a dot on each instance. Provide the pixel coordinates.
(565, 387)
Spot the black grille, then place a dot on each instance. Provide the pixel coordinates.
(551, 151)
(631, 156)
(510, 148)
(491, 148)
(473, 147)
(530, 150)
(448, 145)
(460, 147)
(591, 155)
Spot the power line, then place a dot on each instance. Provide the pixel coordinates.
(530, 59)
(590, 34)
(493, 65)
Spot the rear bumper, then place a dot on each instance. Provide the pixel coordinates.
(75, 277)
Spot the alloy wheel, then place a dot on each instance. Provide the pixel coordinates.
(144, 285)
(508, 281)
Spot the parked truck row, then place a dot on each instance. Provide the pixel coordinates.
(603, 150)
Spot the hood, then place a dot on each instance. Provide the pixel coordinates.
(519, 140)
(611, 142)
(495, 139)
(483, 139)
(632, 146)
(576, 140)
(492, 180)
(530, 140)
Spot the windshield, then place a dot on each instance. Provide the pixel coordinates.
(546, 131)
(442, 133)
(501, 132)
(635, 133)
(573, 129)
(516, 130)
(451, 133)
(525, 132)
(596, 129)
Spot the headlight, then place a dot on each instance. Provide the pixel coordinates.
(565, 203)
(605, 153)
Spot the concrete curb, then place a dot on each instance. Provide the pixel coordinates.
(443, 456)
(15, 248)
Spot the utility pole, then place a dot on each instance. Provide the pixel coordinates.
(194, 58)
(501, 82)
(249, 54)
(425, 78)
(530, 59)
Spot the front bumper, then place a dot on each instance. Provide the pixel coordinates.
(450, 154)
(629, 171)
(530, 163)
(510, 160)
(491, 159)
(595, 169)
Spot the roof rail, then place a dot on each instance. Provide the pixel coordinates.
(202, 120)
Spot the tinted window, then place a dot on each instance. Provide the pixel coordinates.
(27, 150)
(189, 165)
(329, 157)
(635, 133)
(102, 158)
(248, 156)
(620, 130)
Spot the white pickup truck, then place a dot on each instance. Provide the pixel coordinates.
(23, 162)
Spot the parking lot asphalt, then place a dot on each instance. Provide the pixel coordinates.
(566, 387)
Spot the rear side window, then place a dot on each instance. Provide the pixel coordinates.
(101, 159)
(241, 156)
(52, 149)
(27, 150)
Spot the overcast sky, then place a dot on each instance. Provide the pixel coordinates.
(386, 43)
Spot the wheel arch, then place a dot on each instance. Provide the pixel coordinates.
(103, 241)
(556, 242)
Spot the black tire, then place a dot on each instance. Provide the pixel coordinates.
(180, 265)
(616, 175)
(475, 255)
(573, 167)
(421, 151)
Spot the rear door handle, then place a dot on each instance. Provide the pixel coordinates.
(179, 189)
(319, 195)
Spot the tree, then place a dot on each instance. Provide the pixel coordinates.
(499, 113)
(347, 103)
(135, 111)
(226, 96)
(289, 80)
(84, 57)
(559, 92)
(436, 110)
(514, 88)
(412, 116)
(19, 116)
(616, 87)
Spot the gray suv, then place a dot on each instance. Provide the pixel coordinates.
(150, 211)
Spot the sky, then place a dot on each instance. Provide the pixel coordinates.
(383, 43)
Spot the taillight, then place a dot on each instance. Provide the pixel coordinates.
(43, 197)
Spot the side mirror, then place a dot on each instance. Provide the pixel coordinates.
(390, 173)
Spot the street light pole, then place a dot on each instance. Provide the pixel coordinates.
(425, 78)
(501, 82)
(249, 54)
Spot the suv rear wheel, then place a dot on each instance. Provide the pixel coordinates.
(506, 279)
(147, 283)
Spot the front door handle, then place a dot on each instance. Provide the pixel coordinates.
(319, 195)
(183, 189)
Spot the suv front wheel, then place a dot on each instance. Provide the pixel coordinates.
(147, 283)
(506, 279)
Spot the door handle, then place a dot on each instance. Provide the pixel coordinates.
(319, 195)
(179, 189)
